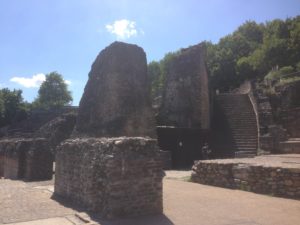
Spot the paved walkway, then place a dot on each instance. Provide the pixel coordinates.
(184, 204)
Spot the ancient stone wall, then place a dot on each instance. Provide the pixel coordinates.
(276, 181)
(116, 99)
(290, 120)
(39, 161)
(28, 159)
(57, 130)
(36, 119)
(185, 101)
(288, 96)
(113, 177)
(120, 176)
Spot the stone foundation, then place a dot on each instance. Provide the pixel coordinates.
(264, 175)
(114, 177)
(28, 159)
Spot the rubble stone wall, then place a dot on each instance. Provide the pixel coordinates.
(275, 181)
(30, 159)
(114, 177)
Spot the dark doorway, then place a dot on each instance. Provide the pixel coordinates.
(185, 144)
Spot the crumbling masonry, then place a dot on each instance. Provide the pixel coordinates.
(112, 165)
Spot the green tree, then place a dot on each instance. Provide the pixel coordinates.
(155, 77)
(12, 106)
(53, 92)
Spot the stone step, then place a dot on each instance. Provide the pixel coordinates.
(243, 122)
(245, 140)
(244, 137)
(244, 154)
(243, 144)
(237, 129)
(243, 126)
(248, 149)
(243, 133)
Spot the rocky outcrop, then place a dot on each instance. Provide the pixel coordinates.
(116, 99)
(185, 101)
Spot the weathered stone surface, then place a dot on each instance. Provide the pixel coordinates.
(265, 175)
(185, 100)
(116, 99)
(28, 159)
(290, 119)
(57, 130)
(288, 95)
(114, 177)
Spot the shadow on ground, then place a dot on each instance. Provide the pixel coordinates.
(159, 219)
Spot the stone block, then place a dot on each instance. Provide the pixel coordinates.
(28, 159)
(113, 177)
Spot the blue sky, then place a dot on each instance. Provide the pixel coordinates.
(41, 36)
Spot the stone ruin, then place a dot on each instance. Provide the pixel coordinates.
(185, 101)
(111, 165)
(27, 149)
(116, 100)
(26, 158)
(184, 116)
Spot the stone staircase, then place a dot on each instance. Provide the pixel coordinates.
(238, 124)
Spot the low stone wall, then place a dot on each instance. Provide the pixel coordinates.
(255, 177)
(29, 159)
(114, 177)
(290, 146)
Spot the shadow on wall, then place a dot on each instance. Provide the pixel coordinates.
(221, 140)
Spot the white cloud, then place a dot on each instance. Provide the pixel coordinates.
(122, 28)
(33, 82)
(68, 82)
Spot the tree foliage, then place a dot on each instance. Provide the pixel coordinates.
(253, 51)
(53, 92)
(12, 106)
(157, 73)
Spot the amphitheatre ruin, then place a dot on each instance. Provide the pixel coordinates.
(119, 160)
